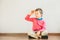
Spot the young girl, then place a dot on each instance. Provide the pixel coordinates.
(38, 22)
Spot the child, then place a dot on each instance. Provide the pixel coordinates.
(38, 22)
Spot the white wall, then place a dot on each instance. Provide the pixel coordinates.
(13, 12)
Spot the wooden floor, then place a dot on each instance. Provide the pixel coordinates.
(25, 37)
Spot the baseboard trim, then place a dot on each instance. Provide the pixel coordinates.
(19, 34)
(54, 34)
(12, 34)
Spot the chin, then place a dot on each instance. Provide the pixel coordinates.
(37, 17)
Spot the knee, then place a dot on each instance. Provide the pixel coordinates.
(44, 32)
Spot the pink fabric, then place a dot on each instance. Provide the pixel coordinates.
(38, 25)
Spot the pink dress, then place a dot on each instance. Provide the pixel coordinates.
(38, 25)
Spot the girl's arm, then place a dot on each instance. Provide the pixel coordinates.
(28, 16)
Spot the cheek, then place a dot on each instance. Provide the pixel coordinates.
(38, 16)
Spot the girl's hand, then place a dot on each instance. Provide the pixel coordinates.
(32, 12)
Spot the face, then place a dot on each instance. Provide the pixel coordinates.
(38, 14)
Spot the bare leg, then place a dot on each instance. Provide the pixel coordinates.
(38, 34)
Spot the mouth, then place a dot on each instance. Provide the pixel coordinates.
(37, 17)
